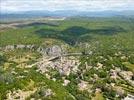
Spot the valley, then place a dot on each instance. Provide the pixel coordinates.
(74, 58)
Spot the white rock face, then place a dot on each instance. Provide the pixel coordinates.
(9, 47)
(54, 50)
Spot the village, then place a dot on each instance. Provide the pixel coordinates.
(52, 60)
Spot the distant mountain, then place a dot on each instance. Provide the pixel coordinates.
(64, 13)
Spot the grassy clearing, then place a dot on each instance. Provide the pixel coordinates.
(129, 66)
(98, 96)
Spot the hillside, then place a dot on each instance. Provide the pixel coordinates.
(74, 58)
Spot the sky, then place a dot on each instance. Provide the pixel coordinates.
(54, 5)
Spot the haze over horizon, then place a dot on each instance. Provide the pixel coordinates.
(12, 6)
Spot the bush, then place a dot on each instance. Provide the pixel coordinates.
(131, 59)
(102, 74)
(2, 59)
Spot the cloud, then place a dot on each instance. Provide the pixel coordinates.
(52, 5)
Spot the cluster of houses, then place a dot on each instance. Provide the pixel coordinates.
(64, 65)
